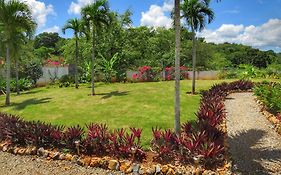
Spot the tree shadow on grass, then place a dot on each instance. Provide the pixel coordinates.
(247, 157)
(32, 101)
(30, 92)
(113, 93)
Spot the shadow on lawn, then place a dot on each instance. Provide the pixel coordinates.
(30, 92)
(113, 93)
(242, 148)
(33, 101)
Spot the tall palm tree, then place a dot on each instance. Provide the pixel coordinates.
(196, 13)
(15, 17)
(177, 66)
(76, 25)
(96, 15)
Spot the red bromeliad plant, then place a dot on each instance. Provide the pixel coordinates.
(170, 73)
(127, 145)
(97, 139)
(73, 135)
(145, 74)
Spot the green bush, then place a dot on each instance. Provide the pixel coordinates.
(24, 84)
(270, 95)
(66, 81)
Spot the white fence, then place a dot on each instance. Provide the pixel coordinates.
(51, 73)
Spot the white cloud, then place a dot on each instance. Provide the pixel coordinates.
(267, 35)
(54, 29)
(157, 16)
(40, 11)
(75, 7)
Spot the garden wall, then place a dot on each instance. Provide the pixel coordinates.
(51, 73)
(200, 75)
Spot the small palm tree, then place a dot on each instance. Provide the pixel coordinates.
(96, 15)
(196, 13)
(15, 17)
(76, 25)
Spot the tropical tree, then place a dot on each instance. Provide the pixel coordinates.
(75, 25)
(96, 16)
(177, 67)
(196, 14)
(15, 17)
(108, 66)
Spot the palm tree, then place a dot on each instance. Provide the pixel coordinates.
(196, 14)
(177, 67)
(76, 26)
(96, 15)
(15, 17)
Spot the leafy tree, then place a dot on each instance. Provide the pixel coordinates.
(95, 15)
(196, 13)
(15, 17)
(47, 40)
(76, 26)
(108, 66)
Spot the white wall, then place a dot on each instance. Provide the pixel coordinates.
(51, 72)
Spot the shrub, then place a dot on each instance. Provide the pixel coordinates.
(32, 71)
(270, 95)
(66, 81)
(24, 84)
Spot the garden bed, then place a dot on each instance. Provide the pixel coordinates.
(200, 147)
(269, 98)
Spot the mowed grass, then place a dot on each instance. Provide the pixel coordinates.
(142, 105)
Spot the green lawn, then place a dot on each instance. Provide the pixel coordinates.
(144, 105)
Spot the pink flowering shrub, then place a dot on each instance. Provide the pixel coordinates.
(170, 73)
(145, 74)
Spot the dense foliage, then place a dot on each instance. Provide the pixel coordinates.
(23, 84)
(270, 95)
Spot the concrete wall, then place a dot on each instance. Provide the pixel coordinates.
(51, 73)
(200, 75)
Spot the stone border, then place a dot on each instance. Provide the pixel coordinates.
(108, 163)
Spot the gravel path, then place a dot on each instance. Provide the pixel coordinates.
(254, 146)
(28, 165)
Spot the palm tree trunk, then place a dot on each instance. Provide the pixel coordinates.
(17, 76)
(76, 62)
(8, 76)
(177, 67)
(93, 60)
(193, 59)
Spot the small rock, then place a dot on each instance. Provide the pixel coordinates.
(165, 169)
(113, 165)
(209, 172)
(68, 157)
(74, 159)
(125, 165)
(28, 151)
(40, 151)
(171, 172)
(136, 167)
(142, 170)
(85, 161)
(16, 150)
(62, 157)
(33, 150)
(95, 162)
(5, 148)
(157, 168)
(55, 155)
(21, 151)
(150, 171)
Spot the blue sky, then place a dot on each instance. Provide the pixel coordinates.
(252, 22)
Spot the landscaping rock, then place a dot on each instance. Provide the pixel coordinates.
(74, 159)
(16, 150)
(62, 156)
(21, 151)
(136, 167)
(68, 157)
(95, 162)
(157, 169)
(40, 151)
(5, 148)
(125, 165)
(55, 155)
(164, 169)
(113, 165)
(150, 171)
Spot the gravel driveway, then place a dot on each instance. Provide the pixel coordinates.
(254, 145)
(28, 165)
